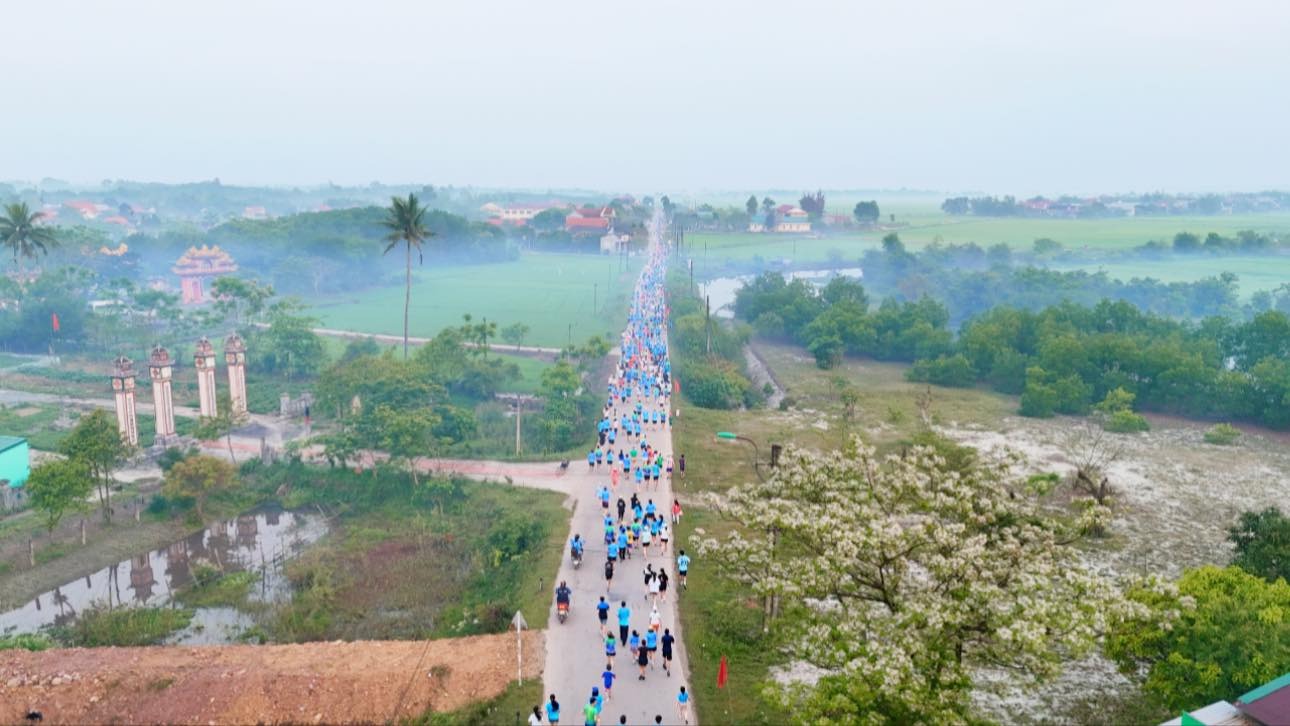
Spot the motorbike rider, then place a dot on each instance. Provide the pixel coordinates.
(575, 547)
(562, 595)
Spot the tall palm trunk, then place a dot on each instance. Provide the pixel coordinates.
(407, 300)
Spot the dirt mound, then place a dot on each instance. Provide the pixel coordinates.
(366, 681)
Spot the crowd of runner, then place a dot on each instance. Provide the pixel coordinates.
(628, 468)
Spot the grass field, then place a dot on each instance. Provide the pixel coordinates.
(1255, 273)
(926, 227)
(547, 292)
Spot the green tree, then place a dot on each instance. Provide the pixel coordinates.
(198, 477)
(1116, 413)
(20, 232)
(515, 334)
(240, 300)
(1262, 542)
(57, 487)
(866, 212)
(221, 425)
(96, 443)
(406, 435)
(1186, 242)
(751, 205)
(549, 220)
(405, 220)
(1215, 633)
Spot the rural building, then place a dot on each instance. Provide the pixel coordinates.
(255, 213)
(15, 467)
(200, 265)
(1266, 705)
(757, 223)
(517, 213)
(590, 220)
(87, 210)
(611, 243)
(787, 219)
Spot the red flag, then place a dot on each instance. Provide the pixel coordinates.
(723, 673)
(53, 319)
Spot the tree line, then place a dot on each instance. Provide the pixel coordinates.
(1063, 358)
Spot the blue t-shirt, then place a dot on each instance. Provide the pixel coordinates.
(624, 615)
(651, 639)
(603, 607)
(552, 712)
(608, 679)
(682, 697)
(613, 550)
(683, 564)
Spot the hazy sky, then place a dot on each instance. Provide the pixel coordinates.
(1005, 96)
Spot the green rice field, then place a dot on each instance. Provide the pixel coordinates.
(547, 292)
(919, 222)
(1254, 273)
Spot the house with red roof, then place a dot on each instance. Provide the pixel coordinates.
(590, 220)
(87, 209)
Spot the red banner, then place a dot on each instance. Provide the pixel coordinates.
(53, 320)
(723, 673)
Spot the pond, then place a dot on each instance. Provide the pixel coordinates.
(260, 542)
(721, 291)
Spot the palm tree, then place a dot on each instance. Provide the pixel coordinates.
(404, 220)
(20, 233)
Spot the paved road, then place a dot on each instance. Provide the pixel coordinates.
(575, 652)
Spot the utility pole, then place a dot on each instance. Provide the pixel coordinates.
(594, 290)
(519, 413)
(707, 304)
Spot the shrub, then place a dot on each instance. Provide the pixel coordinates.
(1223, 434)
(713, 383)
(25, 641)
(125, 626)
(955, 370)
(1125, 422)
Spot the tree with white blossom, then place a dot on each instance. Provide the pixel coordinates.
(900, 576)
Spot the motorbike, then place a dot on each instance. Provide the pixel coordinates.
(576, 557)
(562, 611)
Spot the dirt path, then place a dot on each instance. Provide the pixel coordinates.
(371, 681)
(761, 374)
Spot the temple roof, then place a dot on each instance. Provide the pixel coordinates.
(204, 260)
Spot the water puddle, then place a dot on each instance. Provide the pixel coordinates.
(260, 542)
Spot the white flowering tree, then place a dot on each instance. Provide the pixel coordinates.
(899, 576)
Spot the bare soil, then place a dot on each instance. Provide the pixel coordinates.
(359, 682)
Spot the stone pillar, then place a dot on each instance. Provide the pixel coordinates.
(161, 370)
(123, 395)
(235, 357)
(204, 361)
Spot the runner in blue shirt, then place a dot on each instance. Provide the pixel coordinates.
(624, 620)
(607, 678)
(553, 710)
(683, 567)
